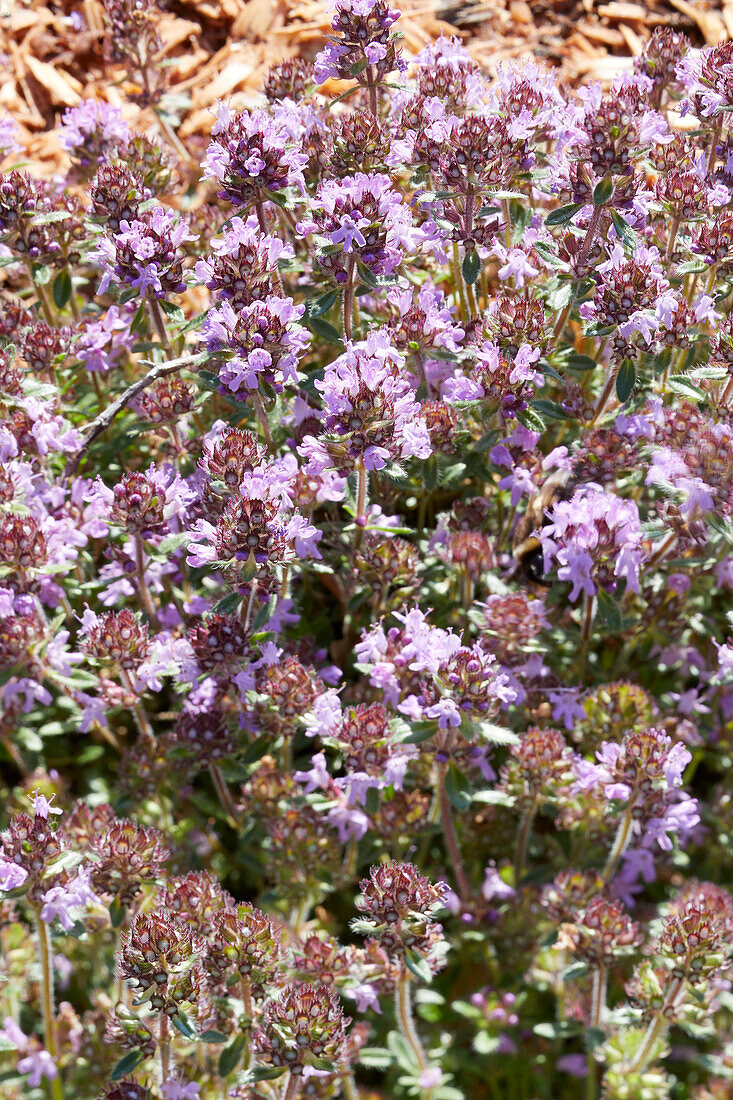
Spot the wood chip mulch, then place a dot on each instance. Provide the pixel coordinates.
(52, 55)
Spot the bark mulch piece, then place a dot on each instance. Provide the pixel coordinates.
(53, 54)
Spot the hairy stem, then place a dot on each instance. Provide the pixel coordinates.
(525, 832)
(451, 840)
(349, 300)
(47, 998)
(225, 796)
(621, 840)
(292, 1088)
(405, 1021)
(262, 419)
(141, 719)
(361, 502)
(165, 1046)
(145, 596)
(655, 1030)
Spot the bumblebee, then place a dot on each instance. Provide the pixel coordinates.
(526, 547)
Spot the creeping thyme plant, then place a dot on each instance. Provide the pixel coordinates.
(366, 573)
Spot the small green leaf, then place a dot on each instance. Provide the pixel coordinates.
(182, 1023)
(419, 967)
(316, 307)
(403, 1052)
(471, 267)
(139, 319)
(229, 604)
(550, 409)
(457, 788)
(229, 1057)
(603, 191)
(594, 1037)
(62, 288)
(575, 970)
(563, 214)
(117, 914)
(374, 1058)
(211, 1036)
(625, 380)
(249, 569)
(623, 230)
(323, 329)
(266, 1073)
(430, 473)
(126, 1065)
(609, 612)
(421, 731)
(580, 362)
(41, 274)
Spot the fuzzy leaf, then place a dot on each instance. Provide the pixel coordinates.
(471, 267)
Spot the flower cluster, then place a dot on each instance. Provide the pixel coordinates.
(366, 528)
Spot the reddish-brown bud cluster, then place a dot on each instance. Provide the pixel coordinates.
(563, 898)
(714, 240)
(159, 956)
(117, 194)
(128, 856)
(470, 551)
(695, 942)
(139, 505)
(33, 843)
(19, 636)
(399, 903)
(386, 564)
(365, 736)
(244, 944)
(602, 931)
(304, 1022)
(196, 898)
(623, 291)
(128, 1032)
(234, 454)
(132, 38)
(166, 401)
(288, 79)
(360, 143)
(22, 542)
(219, 640)
(511, 623)
(42, 345)
(538, 768)
(659, 58)
(205, 736)
(289, 690)
(442, 423)
(117, 636)
(517, 321)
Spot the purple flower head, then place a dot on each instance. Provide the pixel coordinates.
(263, 341)
(42, 806)
(9, 131)
(89, 130)
(11, 875)
(69, 901)
(366, 49)
(38, 1064)
(593, 539)
(102, 343)
(366, 216)
(370, 411)
(252, 154)
(145, 254)
(243, 267)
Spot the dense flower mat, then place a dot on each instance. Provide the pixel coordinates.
(365, 585)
